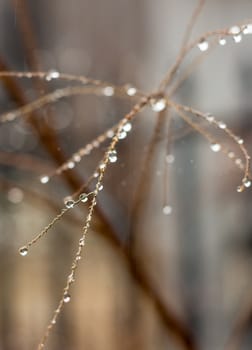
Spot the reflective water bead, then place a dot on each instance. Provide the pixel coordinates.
(69, 203)
(222, 41)
(113, 156)
(247, 29)
(158, 105)
(100, 188)
(130, 90)
(44, 179)
(222, 125)
(240, 189)
(215, 147)
(234, 30)
(108, 91)
(96, 174)
(122, 135)
(83, 197)
(81, 242)
(240, 141)
(77, 157)
(203, 45)
(66, 298)
(246, 182)
(102, 166)
(127, 127)
(70, 165)
(237, 38)
(209, 117)
(23, 251)
(167, 209)
(52, 74)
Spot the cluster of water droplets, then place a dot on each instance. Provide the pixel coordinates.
(216, 147)
(125, 129)
(236, 32)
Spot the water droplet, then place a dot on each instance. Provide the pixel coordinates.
(96, 174)
(44, 179)
(209, 117)
(203, 45)
(170, 158)
(237, 38)
(113, 156)
(70, 165)
(100, 188)
(247, 29)
(15, 195)
(52, 74)
(167, 209)
(122, 135)
(108, 91)
(238, 161)
(222, 125)
(130, 90)
(110, 133)
(77, 157)
(83, 197)
(102, 166)
(215, 147)
(127, 127)
(23, 251)
(231, 155)
(78, 257)
(81, 242)
(158, 105)
(234, 30)
(240, 189)
(240, 141)
(222, 41)
(66, 298)
(246, 182)
(69, 203)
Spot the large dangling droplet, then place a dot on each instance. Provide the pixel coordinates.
(23, 251)
(66, 298)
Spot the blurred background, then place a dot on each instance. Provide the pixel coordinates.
(148, 280)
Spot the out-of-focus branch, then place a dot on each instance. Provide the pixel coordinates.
(25, 162)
